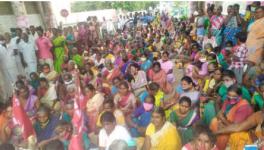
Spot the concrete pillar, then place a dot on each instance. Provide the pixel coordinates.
(42, 15)
(50, 20)
(20, 12)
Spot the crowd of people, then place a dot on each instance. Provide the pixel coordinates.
(167, 84)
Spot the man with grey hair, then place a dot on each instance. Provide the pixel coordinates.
(119, 145)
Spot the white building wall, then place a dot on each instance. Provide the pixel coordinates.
(9, 21)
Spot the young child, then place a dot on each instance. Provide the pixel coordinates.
(239, 56)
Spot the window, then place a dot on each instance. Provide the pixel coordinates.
(6, 8)
(31, 7)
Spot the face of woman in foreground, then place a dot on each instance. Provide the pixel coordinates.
(158, 120)
(203, 142)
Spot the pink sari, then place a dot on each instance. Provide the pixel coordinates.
(161, 79)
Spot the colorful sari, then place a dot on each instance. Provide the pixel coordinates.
(255, 41)
(167, 138)
(59, 43)
(184, 125)
(126, 103)
(93, 107)
(231, 30)
(161, 79)
(49, 96)
(222, 92)
(142, 118)
(235, 140)
(217, 22)
(167, 66)
(44, 133)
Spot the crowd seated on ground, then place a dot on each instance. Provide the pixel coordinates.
(163, 85)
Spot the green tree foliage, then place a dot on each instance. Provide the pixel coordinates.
(124, 5)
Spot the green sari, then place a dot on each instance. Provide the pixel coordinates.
(184, 125)
(59, 50)
(222, 92)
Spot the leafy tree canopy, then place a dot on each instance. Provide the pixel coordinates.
(124, 5)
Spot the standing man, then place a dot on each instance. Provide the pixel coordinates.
(5, 82)
(27, 48)
(44, 49)
(14, 64)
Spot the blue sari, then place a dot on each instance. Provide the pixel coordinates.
(46, 132)
(142, 118)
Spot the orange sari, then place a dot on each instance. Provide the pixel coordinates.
(222, 140)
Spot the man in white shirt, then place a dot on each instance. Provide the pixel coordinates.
(5, 82)
(12, 58)
(27, 48)
(111, 132)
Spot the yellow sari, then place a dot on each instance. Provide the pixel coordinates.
(167, 138)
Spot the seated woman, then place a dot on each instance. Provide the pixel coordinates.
(167, 65)
(229, 79)
(187, 88)
(254, 122)
(109, 105)
(29, 101)
(139, 80)
(5, 121)
(207, 98)
(64, 131)
(47, 93)
(203, 140)
(156, 74)
(45, 124)
(161, 134)
(93, 106)
(125, 100)
(184, 117)
(109, 72)
(145, 63)
(141, 117)
(50, 75)
(234, 110)
(114, 87)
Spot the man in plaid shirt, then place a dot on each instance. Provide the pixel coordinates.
(239, 56)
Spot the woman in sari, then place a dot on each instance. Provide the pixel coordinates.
(45, 123)
(184, 117)
(109, 72)
(203, 140)
(255, 122)
(161, 134)
(234, 110)
(141, 117)
(187, 88)
(47, 93)
(125, 100)
(255, 38)
(70, 38)
(5, 122)
(59, 44)
(93, 105)
(139, 80)
(29, 102)
(50, 75)
(167, 65)
(232, 25)
(158, 75)
(217, 22)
